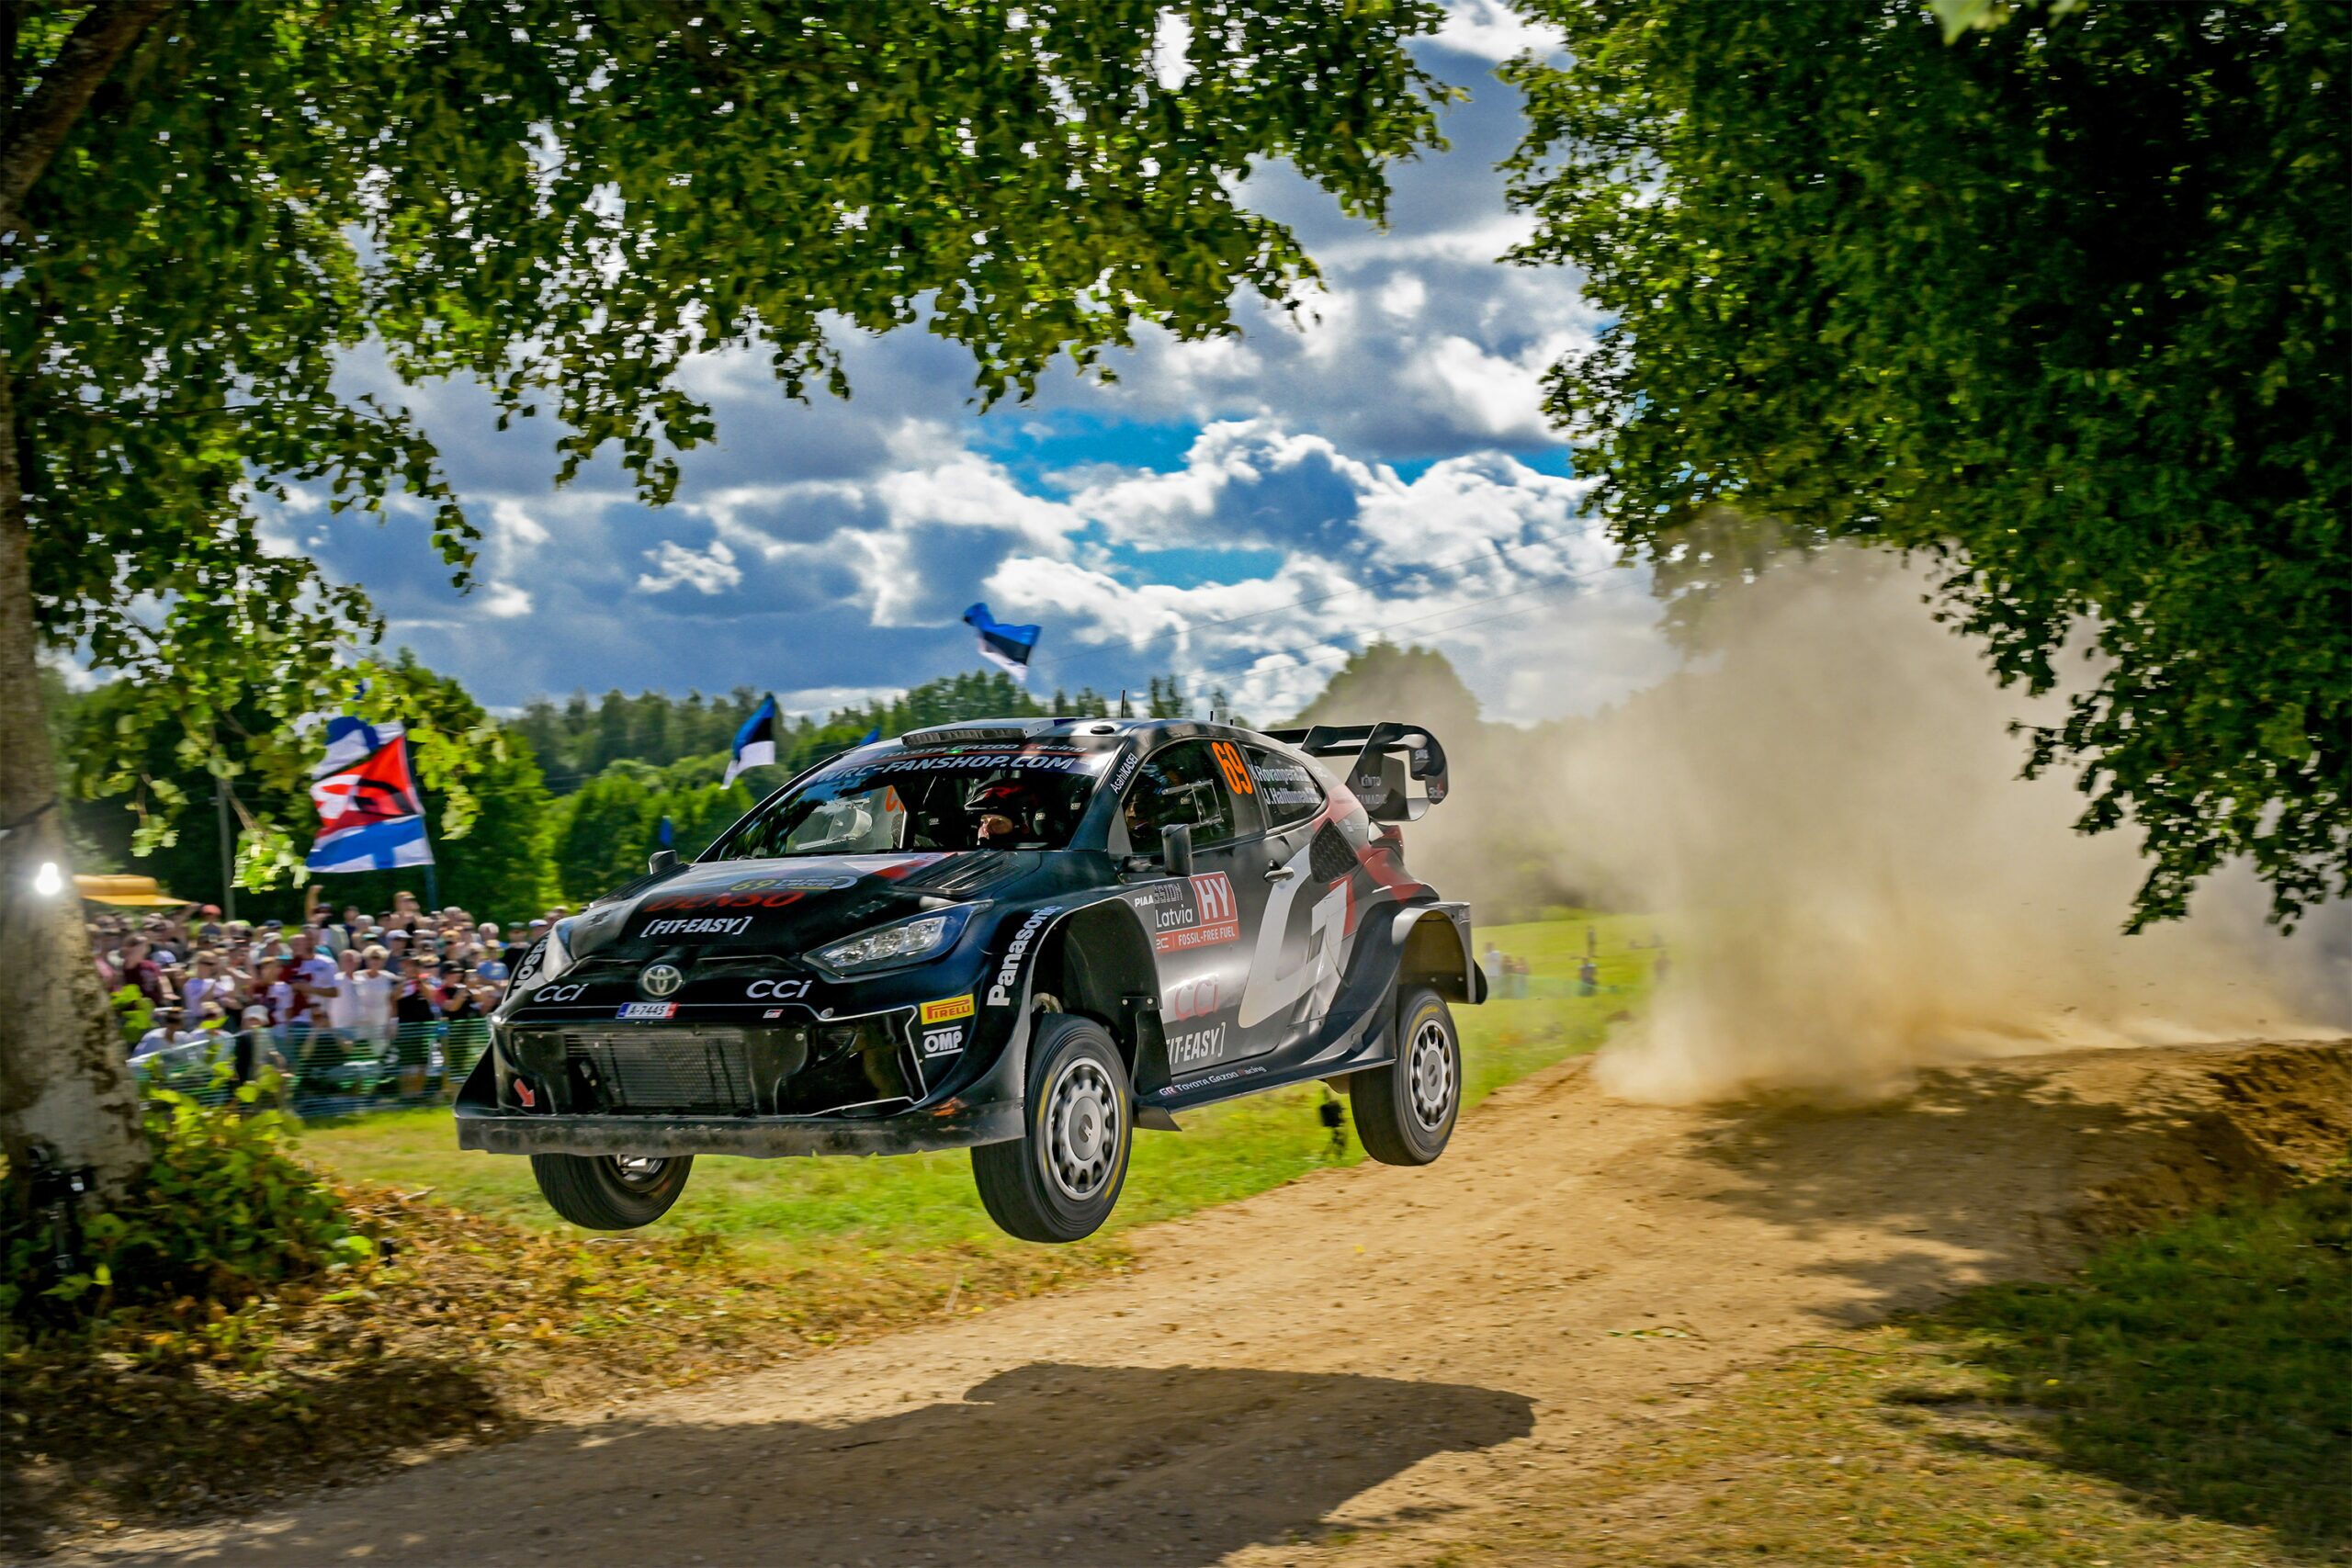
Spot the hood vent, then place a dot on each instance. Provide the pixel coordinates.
(959, 875)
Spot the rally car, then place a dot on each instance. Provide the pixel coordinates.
(1023, 937)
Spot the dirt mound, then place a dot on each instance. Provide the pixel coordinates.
(1369, 1365)
(2260, 1119)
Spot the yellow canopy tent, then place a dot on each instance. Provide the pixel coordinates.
(126, 890)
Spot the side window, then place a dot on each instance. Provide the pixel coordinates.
(1285, 789)
(1182, 787)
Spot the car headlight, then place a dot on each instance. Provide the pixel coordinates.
(901, 942)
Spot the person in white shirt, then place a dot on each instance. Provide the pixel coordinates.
(207, 984)
(372, 985)
(167, 1034)
(343, 1007)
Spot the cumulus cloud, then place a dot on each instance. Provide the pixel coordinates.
(504, 601)
(709, 572)
(1492, 29)
(1247, 510)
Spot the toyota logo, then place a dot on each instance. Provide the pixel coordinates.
(661, 979)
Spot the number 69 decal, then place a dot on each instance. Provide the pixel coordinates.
(1229, 764)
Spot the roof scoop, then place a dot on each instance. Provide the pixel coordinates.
(983, 732)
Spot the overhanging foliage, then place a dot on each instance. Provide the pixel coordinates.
(2061, 301)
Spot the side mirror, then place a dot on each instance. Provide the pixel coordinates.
(1176, 849)
(661, 860)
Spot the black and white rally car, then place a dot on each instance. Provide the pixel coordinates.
(1027, 938)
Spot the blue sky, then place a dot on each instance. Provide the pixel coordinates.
(1244, 511)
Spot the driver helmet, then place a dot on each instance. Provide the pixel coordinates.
(1017, 799)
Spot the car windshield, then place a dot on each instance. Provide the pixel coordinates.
(999, 798)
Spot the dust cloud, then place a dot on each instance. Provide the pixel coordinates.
(1826, 815)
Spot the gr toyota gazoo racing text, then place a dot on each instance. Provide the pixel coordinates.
(1027, 938)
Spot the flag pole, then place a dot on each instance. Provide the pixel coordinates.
(228, 863)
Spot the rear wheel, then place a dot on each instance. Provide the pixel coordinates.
(609, 1192)
(1060, 1180)
(1405, 1110)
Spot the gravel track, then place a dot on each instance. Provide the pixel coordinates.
(1363, 1366)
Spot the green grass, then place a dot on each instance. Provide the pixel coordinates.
(792, 1213)
(2186, 1400)
(2206, 1366)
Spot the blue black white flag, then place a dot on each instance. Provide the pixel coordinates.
(871, 736)
(755, 742)
(1007, 648)
(667, 834)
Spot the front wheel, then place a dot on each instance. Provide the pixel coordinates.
(1405, 1110)
(610, 1192)
(1062, 1179)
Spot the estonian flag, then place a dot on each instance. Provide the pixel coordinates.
(871, 736)
(755, 742)
(1007, 648)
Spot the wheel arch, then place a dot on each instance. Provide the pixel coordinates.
(1098, 962)
(1433, 949)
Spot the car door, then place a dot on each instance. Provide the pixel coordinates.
(1304, 931)
(1201, 925)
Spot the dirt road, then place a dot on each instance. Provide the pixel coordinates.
(1361, 1366)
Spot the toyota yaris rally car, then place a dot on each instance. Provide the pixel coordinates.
(1027, 938)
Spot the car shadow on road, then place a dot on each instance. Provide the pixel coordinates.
(1047, 1463)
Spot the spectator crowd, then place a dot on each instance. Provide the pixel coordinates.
(329, 987)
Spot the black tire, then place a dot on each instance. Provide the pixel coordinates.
(1061, 1180)
(599, 1192)
(1405, 1110)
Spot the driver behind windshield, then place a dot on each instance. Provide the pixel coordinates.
(1008, 815)
(1011, 800)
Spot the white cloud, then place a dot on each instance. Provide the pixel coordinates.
(710, 572)
(1491, 29)
(504, 601)
(516, 528)
(835, 544)
(1402, 297)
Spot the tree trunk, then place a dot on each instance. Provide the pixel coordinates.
(65, 1089)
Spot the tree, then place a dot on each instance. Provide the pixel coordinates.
(143, 806)
(204, 208)
(607, 831)
(2062, 302)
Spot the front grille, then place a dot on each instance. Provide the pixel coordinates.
(665, 1069)
(859, 1067)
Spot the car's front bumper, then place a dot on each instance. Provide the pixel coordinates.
(957, 1124)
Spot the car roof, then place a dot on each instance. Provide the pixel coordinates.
(1081, 727)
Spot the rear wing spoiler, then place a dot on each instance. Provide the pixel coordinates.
(1387, 756)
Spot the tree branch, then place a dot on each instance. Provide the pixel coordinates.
(37, 129)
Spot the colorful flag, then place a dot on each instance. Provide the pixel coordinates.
(370, 816)
(1007, 648)
(755, 742)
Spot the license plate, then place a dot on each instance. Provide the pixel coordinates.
(649, 1009)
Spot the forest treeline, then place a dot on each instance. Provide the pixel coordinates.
(581, 737)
